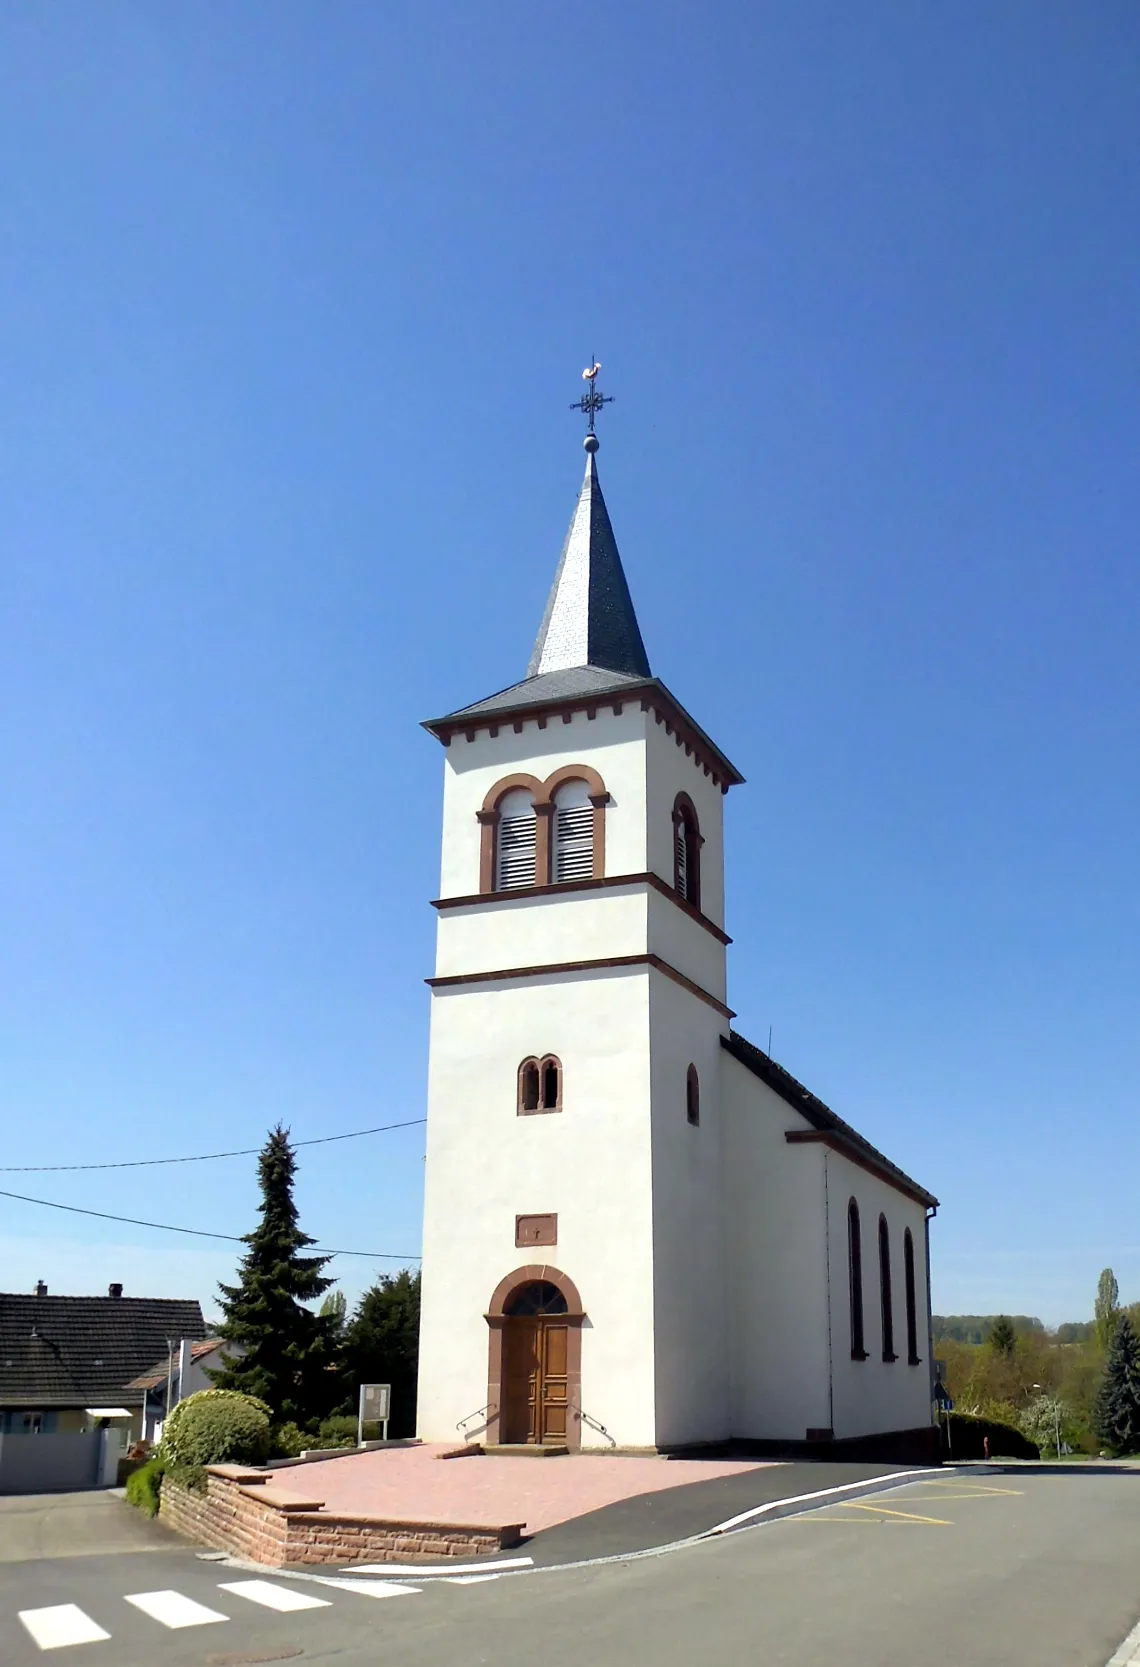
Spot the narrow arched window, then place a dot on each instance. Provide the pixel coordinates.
(540, 1085)
(530, 1085)
(686, 851)
(692, 1096)
(885, 1290)
(912, 1354)
(573, 833)
(855, 1275)
(551, 1084)
(515, 841)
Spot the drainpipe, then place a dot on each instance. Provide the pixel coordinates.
(827, 1255)
(184, 1356)
(930, 1215)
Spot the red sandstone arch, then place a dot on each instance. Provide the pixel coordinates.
(497, 1321)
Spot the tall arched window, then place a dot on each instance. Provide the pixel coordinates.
(516, 835)
(912, 1354)
(573, 833)
(885, 1291)
(540, 1085)
(855, 1275)
(692, 1096)
(687, 844)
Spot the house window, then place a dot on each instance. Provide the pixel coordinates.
(912, 1354)
(515, 844)
(855, 1275)
(885, 1291)
(692, 1096)
(687, 844)
(540, 1085)
(573, 833)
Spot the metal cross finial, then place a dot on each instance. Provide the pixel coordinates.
(591, 403)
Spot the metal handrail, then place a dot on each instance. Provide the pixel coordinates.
(461, 1426)
(595, 1425)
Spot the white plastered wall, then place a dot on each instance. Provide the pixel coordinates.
(589, 1163)
(775, 1250)
(692, 1384)
(874, 1395)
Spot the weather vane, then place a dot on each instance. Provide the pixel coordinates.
(591, 403)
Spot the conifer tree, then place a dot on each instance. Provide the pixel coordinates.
(287, 1349)
(1106, 1308)
(1117, 1415)
(1003, 1338)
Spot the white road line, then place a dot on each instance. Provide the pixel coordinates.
(369, 1588)
(1129, 1651)
(281, 1598)
(63, 1623)
(892, 1479)
(467, 1579)
(441, 1568)
(173, 1610)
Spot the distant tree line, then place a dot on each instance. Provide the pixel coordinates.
(1073, 1389)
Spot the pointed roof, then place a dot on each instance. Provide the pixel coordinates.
(589, 618)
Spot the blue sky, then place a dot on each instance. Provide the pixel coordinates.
(293, 299)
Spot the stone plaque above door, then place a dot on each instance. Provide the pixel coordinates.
(536, 1230)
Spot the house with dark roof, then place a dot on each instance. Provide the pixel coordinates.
(182, 1372)
(68, 1362)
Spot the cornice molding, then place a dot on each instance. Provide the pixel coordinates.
(651, 697)
(834, 1139)
(475, 899)
(501, 974)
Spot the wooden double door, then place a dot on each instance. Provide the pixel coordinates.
(536, 1384)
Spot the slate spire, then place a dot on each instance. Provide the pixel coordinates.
(589, 618)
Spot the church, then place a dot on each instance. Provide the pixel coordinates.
(640, 1231)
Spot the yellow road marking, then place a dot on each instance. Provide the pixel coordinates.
(904, 1516)
(976, 1493)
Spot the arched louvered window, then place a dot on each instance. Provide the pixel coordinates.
(912, 1354)
(515, 842)
(540, 1085)
(573, 833)
(855, 1275)
(687, 844)
(692, 1096)
(885, 1291)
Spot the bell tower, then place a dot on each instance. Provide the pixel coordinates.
(573, 1260)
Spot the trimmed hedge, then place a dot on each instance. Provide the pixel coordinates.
(968, 1432)
(216, 1426)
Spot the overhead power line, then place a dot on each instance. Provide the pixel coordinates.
(198, 1232)
(202, 1157)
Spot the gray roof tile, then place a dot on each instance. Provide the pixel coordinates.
(83, 1351)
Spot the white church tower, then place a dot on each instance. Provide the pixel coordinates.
(581, 1254)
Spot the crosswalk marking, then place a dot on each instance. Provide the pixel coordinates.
(282, 1598)
(467, 1579)
(173, 1610)
(369, 1588)
(62, 1623)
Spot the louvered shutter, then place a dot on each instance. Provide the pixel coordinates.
(515, 844)
(573, 833)
(682, 838)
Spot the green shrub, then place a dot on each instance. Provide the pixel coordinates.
(216, 1426)
(286, 1441)
(191, 1476)
(144, 1485)
(968, 1432)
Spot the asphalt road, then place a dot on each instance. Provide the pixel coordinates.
(975, 1570)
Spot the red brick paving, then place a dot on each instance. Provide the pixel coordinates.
(412, 1484)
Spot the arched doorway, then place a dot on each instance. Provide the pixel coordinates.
(535, 1364)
